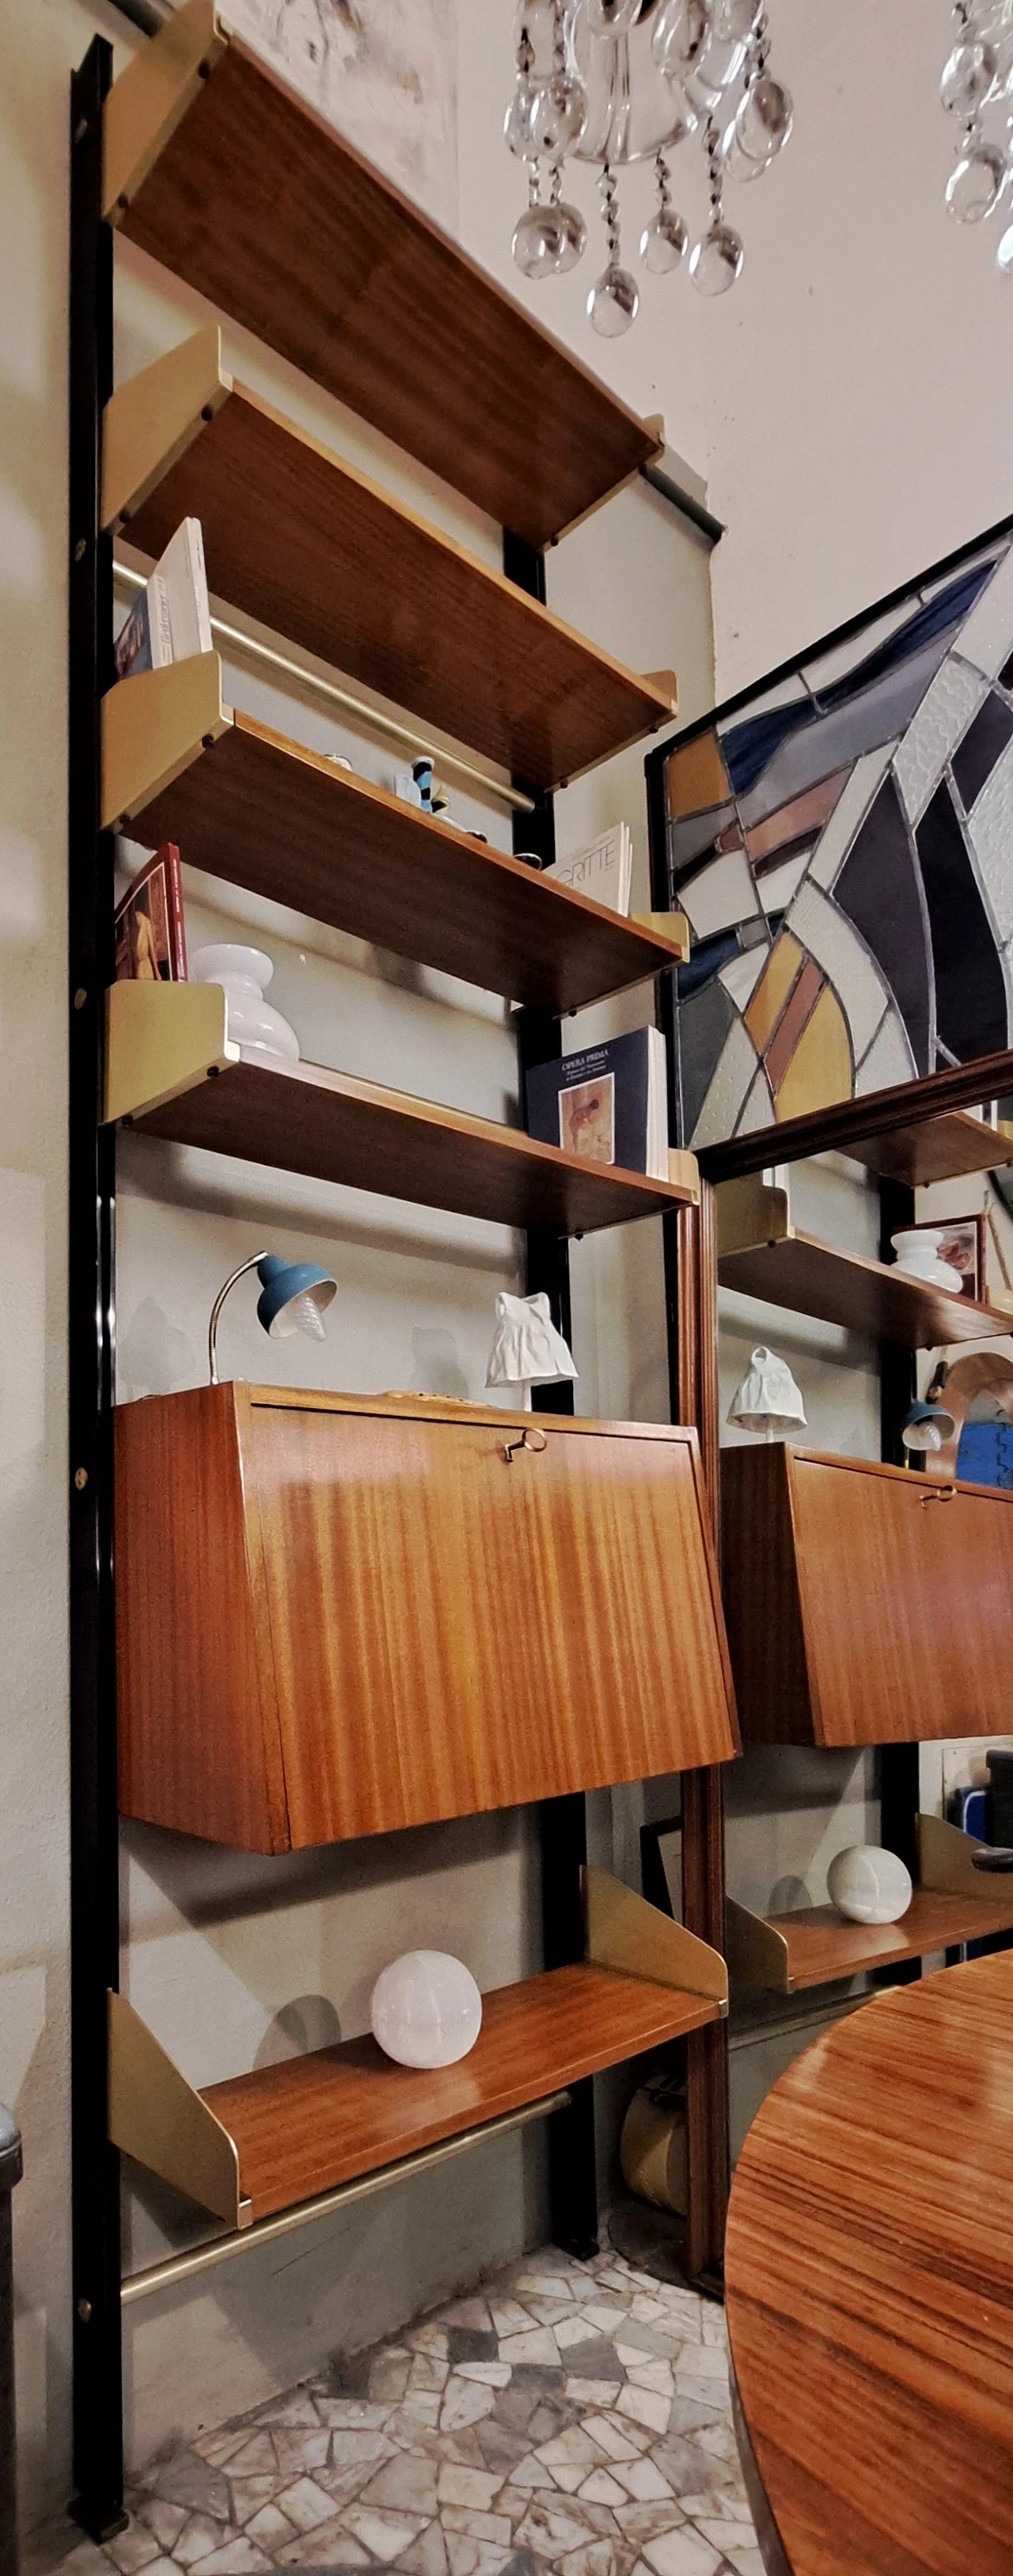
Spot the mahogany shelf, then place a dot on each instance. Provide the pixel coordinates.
(935, 1149)
(819, 1947)
(305, 1118)
(313, 2122)
(321, 554)
(261, 812)
(222, 173)
(813, 1278)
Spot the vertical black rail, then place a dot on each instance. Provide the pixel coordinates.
(573, 2175)
(899, 1769)
(691, 1317)
(10, 2173)
(98, 2393)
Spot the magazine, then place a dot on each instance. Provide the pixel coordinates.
(150, 937)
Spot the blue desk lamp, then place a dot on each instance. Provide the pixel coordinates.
(292, 1300)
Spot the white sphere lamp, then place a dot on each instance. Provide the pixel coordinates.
(426, 2009)
(869, 1885)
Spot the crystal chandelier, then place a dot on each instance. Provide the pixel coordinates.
(614, 81)
(977, 92)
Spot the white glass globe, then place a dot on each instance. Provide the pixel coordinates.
(869, 1885)
(426, 2009)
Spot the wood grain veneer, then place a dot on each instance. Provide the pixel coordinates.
(865, 1604)
(305, 1118)
(262, 812)
(938, 1149)
(814, 1278)
(273, 216)
(869, 2271)
(822, 1946)
(312, 2122)
(327, 558)
(340, 1615)
(849, 1124)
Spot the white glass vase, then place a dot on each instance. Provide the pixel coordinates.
(259, 1031)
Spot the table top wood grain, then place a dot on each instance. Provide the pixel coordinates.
(869, 2273)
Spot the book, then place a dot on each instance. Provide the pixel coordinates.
(150, 937)
(171, 617)
(603, 869)
(608, 1104)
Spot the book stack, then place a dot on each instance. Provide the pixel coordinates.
(609, 1103)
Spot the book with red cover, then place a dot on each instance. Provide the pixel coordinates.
(150, 937)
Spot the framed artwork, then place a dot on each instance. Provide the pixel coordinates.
(841, 839)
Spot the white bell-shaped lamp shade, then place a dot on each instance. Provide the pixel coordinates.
(527, 1350)
(768, 1399)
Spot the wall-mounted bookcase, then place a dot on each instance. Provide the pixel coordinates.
(200, 156)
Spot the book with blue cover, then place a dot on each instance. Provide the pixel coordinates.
(608, 1104)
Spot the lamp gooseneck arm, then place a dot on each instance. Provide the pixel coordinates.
(230, 1282)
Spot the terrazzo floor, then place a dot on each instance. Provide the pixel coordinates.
(567, 2420)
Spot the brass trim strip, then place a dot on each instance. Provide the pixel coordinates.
(202, 2258)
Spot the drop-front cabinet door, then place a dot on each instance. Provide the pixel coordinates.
(906, 1590)
(866, 1604)
(452, 1632)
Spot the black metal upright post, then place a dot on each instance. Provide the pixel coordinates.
(573, 2175)
(10, 2173)
(899, 1792)
(98, 2395)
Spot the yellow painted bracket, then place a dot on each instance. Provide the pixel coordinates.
(622, 1931)
(756, 1952)
(152, 96)
(667, 925)
(158, 2118)
(684, 1172)
(151, 420)
(161, 1040)
(153, 725)
(666, 683)
(751, 1212)
(945, 1857)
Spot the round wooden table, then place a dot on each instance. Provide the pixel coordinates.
(869, 2276)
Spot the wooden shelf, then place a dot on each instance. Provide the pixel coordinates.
(235, 185)
(261, 812)
(763, 1255)
(816, 1946)
(937, 1149)
(285, 2134)
(328, 559)
(954, 1903)
(305, 1118)
(312, 2122)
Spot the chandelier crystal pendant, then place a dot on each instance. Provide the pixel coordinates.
(977, 95)
(617, 81)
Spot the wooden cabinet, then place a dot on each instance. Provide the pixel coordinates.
(337, 1615)
(865, 1604)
